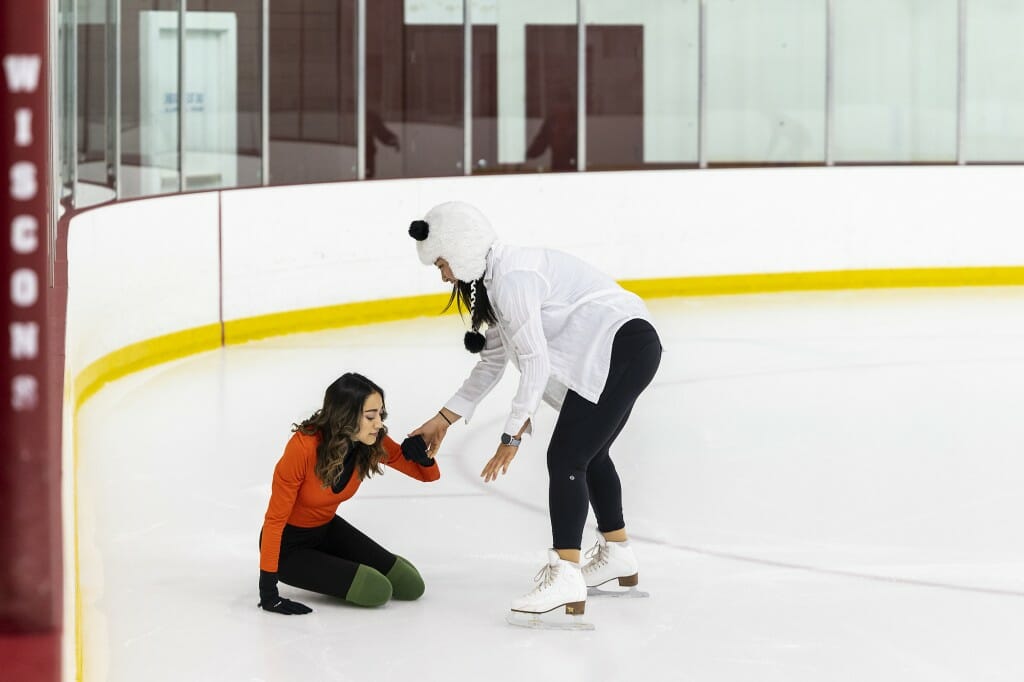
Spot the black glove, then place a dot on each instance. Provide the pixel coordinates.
(270, 600)
(414, 449)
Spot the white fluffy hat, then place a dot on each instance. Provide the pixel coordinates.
(457, 232)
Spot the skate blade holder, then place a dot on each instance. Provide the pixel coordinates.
(629, 582)
(571, 619)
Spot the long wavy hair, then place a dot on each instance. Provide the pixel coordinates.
(461, 297)
(337, 424)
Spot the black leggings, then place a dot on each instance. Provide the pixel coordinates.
(324, 559)
(580, 469)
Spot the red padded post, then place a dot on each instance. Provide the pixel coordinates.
(30, 548)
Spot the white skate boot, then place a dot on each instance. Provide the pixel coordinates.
(611, 561)
(559, 584)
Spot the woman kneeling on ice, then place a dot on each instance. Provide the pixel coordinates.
(303, 543)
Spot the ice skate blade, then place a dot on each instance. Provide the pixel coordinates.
(630, 593)
(547, 621)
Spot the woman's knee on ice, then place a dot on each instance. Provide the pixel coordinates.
(369, 587)
(406, 582)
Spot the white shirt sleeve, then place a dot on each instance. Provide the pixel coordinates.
(520, 299)
(485, 376)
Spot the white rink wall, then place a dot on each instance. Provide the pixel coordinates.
(139, 270)
(151, 267)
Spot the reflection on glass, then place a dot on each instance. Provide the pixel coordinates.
(766, 81)
(87, 129)
(895, 81)
(149, 91)
(524, 86)
(414, 88)
(994, 122)
(220, 102)
(313, 91)
(222, 98)
(894, 87)
(92, 85)
(642, 83)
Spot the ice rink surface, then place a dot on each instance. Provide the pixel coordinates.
(821, 487)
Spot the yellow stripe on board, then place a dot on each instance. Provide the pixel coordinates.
(333, 317)
(719, 285)
(138, 356)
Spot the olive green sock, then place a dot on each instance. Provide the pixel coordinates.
(369, 587)
(406, 582)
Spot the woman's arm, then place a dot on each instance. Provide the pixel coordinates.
(289, 474)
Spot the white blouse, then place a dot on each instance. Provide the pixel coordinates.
(557, 318)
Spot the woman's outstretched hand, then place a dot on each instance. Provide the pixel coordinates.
(502, 458)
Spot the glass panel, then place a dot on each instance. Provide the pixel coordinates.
(994, 123)
(485, 96)
(642, 83)
(414, 89)
(68, 108)
(91, 89)
(149, 97)
(313, 91)
(223, 90)
(525, 85)
(766, 81)
(88, 101)
(895, 80)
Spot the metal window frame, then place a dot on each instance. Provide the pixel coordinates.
(961, 82)
(361, 89)
(182, 14)
(581, 86)
(830, 36)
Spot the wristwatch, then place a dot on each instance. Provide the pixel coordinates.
(507, 439)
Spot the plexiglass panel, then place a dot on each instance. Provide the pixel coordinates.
(93, 42)
(313, 92)
(894, 87)
(994, 121)
(642, 83)
(414, 88)
(223, 100)
(149, 97)
(525, 104)
(895, 81)
(89, 103)
(766, 81)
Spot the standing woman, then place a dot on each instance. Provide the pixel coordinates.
(303, 543)
(582, 344)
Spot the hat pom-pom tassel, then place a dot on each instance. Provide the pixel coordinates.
(474, 341)
(419, 230)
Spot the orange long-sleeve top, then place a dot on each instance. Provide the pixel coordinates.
(299, 498)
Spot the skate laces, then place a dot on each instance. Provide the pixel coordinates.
(598, 555)
(545, 576)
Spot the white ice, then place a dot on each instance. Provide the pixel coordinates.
(819, 487)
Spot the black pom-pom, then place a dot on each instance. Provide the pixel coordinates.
(419, 230)
(474, 342)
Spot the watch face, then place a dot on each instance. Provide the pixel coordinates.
(506, 439)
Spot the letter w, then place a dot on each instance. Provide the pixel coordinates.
(22, 72)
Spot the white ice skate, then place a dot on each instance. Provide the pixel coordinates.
(611, 561)
(559, 585)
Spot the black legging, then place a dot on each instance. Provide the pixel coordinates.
(580, 469)
(324, 559)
